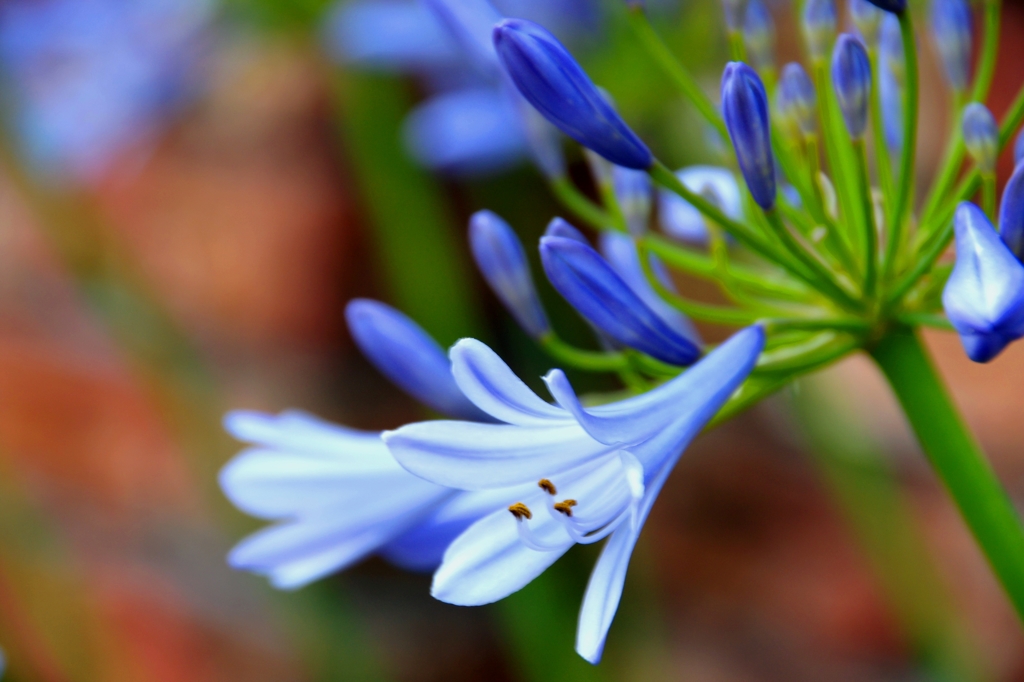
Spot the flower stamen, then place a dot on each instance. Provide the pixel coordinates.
(565, 507)
(547, 486)
(520, 511)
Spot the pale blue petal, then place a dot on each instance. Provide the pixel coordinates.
(299, 431)
(466, 132)
(470, 23)
(422, 547)
(604, 590)
(472, 456)
(398, 35)
(489, 562)
(696, 395)
(487, 381)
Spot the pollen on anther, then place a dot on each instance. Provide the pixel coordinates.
(547, 486)
(520, 511)
(565, 506)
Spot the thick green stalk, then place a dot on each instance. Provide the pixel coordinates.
(956, 457)
(906, 176)
(683, 79)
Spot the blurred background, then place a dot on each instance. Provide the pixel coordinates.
(191, 191)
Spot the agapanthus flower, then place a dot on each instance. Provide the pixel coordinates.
(633, 190)
(797, 100)
(951, 29)
(891, 77)
(596, 472)
(745, 109)
(984, 296)
(981, 135)
(1011, 213)
(851, 74)
(759, 35)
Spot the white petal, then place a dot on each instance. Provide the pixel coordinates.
(489, 562)
(271, 484)
(604, 590)
(494, 388)
(300, 432)
(472, 456)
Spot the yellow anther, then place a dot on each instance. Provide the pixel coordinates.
(521, 511)
(565, 506)
(547, 486)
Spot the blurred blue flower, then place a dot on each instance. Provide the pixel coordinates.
(891, 76)
(500, 257)
(600, 295)
(984, 297)
(633, 189)
(745, 109)
(851, 75)
(1018, 148)
(951, 30)
(336, 495)
(681, 220)
(89, 80)
(759, 35)
(558, 227)
(551, 80)
(406, 355)
(867, 18)
(596, 472)
(893, 6)
(818, 23)
(796, 100)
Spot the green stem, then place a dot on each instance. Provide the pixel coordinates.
(882, 160)
(956, 457)
(593, 361)
(825, 279)
(988, 194)
(951, 161)
(870, 229)
(906, 175)
(683, 79)
(577, 202)
(989, 51)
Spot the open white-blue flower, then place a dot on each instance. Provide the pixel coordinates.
(336, 495)
(592, 473)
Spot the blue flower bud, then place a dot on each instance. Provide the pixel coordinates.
(551, 80)
(851, 75)
(819, 26)
(867, 18)
(1018, 148)
(633, 192)
(796, 101)
(405, 354)
(893, 6)
(759, 35)
(891, 76)
(600, 295)
(745, 107)
(1011, 213)
(734, 12)
(981, 136)
(502, 261)
(984, 297)
(560, 228)
(951, 30)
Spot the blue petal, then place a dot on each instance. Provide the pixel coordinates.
(485, 379)
(398, 35)
(605, 300)
(693, 397)
(745, 109)
(466, 132)
(406, 355)
(1011, 211)
(681, 220)
(851, 74)
(984, 296)
(558, 227)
